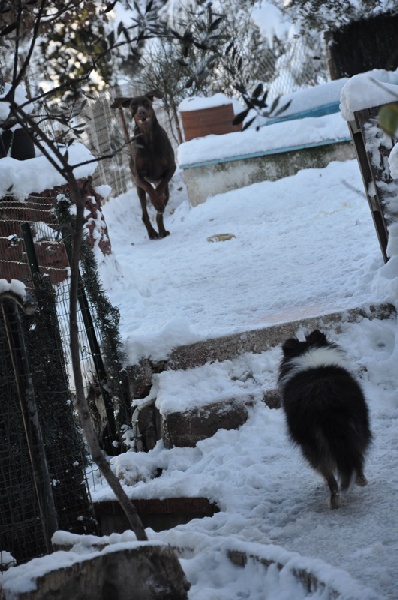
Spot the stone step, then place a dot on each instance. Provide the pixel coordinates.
(158, 514)
(156, 417)
(285, 325)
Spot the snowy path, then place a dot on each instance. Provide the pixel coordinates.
(303, 242)
(182, 289)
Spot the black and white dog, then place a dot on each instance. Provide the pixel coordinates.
(326, 411)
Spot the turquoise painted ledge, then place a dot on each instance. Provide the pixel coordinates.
(270, 152)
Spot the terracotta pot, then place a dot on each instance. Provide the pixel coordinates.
(215, 120)
(22, 145)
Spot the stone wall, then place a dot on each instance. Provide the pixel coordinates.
(144, 572)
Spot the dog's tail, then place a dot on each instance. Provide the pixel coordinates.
(344, 443)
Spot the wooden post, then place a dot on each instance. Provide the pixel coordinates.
(128, 140)
(373, 147)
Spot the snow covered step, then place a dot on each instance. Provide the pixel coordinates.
(211, 385)
(285, 325)
(158, 514)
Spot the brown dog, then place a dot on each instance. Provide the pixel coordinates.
(152, 162)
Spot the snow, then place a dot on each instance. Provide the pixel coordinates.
(271, 21)
(278, 137)
(20, 97)
(35, 175)
(266, 493)
(314, 97)
(393, 162)
(301, 245)
(304, 245)
(185, 289)
(14, 286)
(367, 90)
(22, 579)
(202, 102)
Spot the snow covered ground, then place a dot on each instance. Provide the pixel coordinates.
(302, 245)
(298, 246)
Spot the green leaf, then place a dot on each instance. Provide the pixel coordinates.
(258, 90)
(283, 108)
(216, 23)
(388, 118)
(249, 123)
(240, 117)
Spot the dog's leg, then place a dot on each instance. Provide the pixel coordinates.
(326, 470)
(162, 231)
(153, 235)
(335, 501)
(159, 217)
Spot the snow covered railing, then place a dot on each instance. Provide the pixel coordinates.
(373, 147)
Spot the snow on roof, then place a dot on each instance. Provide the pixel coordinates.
(201, 102)
(313, 97)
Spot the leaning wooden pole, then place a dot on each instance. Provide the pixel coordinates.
(77, 197)
(127, 139)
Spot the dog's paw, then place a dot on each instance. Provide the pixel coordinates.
(361, 480)
(335, 501)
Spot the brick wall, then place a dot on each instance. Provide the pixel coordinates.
(39, 211)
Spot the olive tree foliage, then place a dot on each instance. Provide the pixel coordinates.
(230, 56)
(318, 15)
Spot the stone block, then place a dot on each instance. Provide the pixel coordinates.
(144, 572)
(259, 340)
(190, 427)
(158, 514)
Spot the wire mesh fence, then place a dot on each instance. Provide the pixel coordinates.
(45, 334)
(300, 62)
(21, 532)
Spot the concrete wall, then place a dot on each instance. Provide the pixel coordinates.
(210, 179)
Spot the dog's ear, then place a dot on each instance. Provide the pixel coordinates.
(290, 347)
(316, 337)
(123, 101)
(154, 94)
